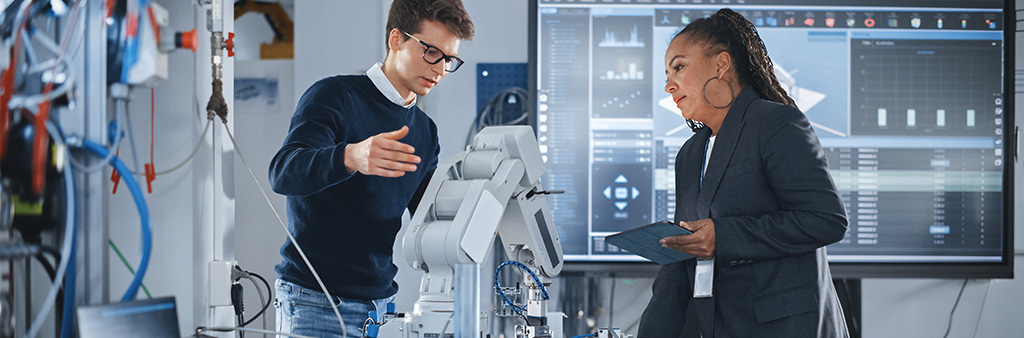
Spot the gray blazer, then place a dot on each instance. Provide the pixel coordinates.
(768, 190)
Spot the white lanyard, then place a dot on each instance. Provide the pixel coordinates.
(704, 275)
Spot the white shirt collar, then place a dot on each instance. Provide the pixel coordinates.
(376, 74)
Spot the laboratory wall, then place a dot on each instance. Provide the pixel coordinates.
(347, 37)
(191, 208)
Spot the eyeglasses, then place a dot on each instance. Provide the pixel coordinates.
(433, 55)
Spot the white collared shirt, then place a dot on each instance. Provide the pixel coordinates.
(376, 74)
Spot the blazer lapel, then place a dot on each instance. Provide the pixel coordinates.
(688, 177)
(721, 154)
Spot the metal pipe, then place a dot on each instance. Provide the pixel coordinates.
(467, 300)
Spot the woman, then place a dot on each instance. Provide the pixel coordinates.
(752, 184)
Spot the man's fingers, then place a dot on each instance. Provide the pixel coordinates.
(397, 134)
(384, 172)
(388, 173)
(395, 165)
(386, 144)
(386, 155)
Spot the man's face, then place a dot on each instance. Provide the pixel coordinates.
(414, 74)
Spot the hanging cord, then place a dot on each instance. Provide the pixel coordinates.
(344, 330)
(39, 146)
(69, 238)
(195, 150)
(611, 303)
(131, 136)
(263, 300)
(252, 276)
(977, 322)
(949, 323)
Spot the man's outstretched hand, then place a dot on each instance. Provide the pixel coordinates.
(382, 155)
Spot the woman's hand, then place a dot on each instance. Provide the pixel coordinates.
(700, 243)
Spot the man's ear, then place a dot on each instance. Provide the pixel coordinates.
(394, 39)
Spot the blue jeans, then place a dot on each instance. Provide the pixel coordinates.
(307, 312)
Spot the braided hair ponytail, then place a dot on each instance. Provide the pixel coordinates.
(728, 31)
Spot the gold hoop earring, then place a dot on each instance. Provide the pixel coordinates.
(732, 93)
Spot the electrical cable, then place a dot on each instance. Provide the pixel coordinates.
(493, 112)
(28, 289)
(119, 129)
(52, 273)
(128, 265)
(611, 303)
(447, 322)
(140, 203)
(131, 136)
(195, 150)
(34, 100)
(30, 53)
(291, 238)
(231, 329)
(70, 281)
(67, 247)
(266, 304)
(45, 263)
(855, 323)
(949, 324)
(238, 318)
(585, 335)
(262, 301)
(497, 286)
(152, 133)
(47, 42)
(66, 296)
(39, 145)
(977, 322)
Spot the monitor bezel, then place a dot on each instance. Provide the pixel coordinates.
(1003, 269)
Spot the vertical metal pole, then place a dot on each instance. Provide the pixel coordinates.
(467, 300)
(95, 287)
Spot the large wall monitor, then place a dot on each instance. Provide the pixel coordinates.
(909, 98)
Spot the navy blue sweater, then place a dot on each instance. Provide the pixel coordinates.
(347, 223)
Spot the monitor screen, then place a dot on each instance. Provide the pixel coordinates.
(909, 99)
(153, 318)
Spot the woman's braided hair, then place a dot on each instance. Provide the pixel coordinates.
(728, 31)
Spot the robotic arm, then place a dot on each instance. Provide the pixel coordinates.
(492, 187)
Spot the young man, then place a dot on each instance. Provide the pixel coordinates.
(358, 153)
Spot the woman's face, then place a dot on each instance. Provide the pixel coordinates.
(687, 68)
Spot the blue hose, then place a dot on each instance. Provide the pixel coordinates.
(68, 320)
(140, 203)
(66, 267)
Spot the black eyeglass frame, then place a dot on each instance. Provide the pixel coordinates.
(454, 61)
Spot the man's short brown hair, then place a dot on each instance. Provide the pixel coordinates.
(406, 15)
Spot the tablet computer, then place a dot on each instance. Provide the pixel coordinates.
(645, 242)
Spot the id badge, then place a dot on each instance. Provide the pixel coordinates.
(705, 276)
